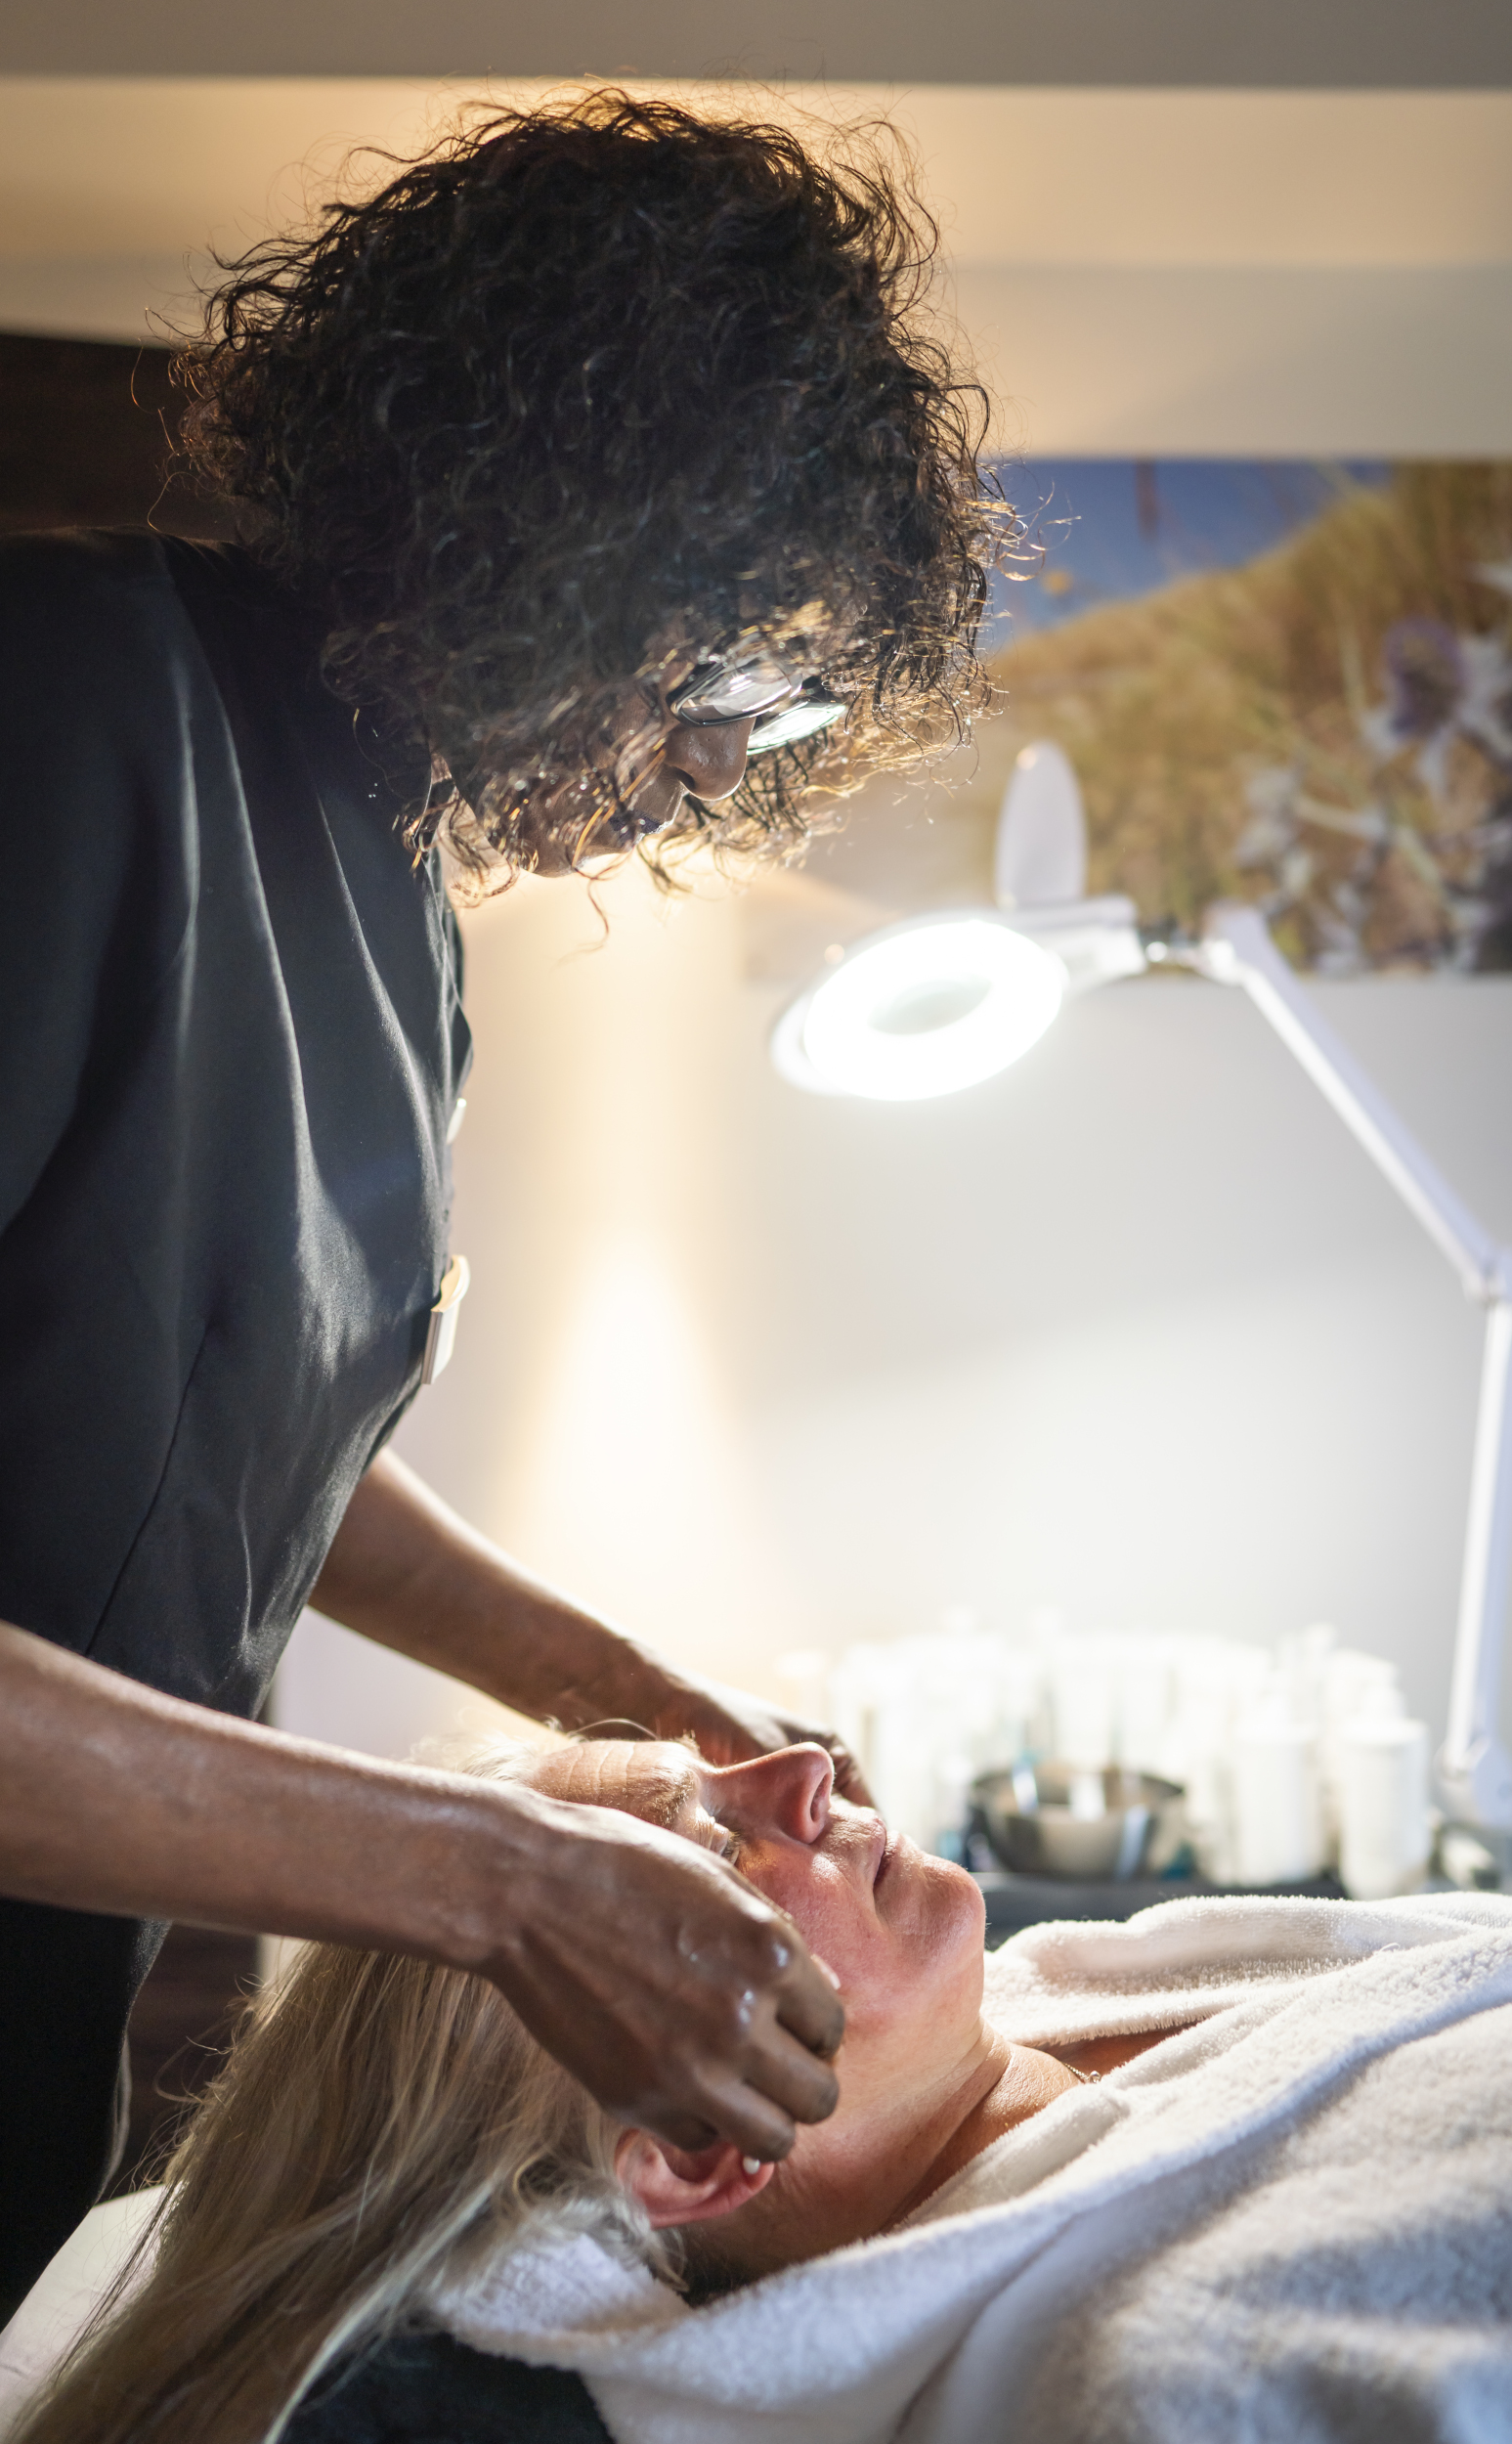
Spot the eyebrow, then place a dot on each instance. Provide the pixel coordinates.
(670, 1789)
(673, 1790)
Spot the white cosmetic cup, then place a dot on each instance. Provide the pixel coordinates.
(1384, 1829)
(1083, 1700)
(1277, 1820)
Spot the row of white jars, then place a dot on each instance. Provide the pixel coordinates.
(1291, 1761)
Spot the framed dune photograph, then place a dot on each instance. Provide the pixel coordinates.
(1279, 681)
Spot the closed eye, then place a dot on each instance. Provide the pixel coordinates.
(719, 1838)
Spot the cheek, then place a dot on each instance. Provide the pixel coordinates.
(830, 1915)
(921, 1980)
(914, 1958)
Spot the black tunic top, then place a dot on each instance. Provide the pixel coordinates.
(231, 1044)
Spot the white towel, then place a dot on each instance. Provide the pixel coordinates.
(1291, 2220)
(65, 2295)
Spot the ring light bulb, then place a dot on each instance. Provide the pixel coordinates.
(925, 1009)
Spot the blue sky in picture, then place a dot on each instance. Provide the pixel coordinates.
(1111, 528)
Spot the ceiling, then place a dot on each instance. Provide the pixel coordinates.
(1158, 272)
(1439, 44)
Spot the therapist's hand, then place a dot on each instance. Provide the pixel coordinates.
(680, 1998)
(729, 1725)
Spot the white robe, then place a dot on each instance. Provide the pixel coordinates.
(1293, 2220)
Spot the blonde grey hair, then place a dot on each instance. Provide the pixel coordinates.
(379, 2122)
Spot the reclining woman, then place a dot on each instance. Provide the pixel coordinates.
(1250, 2159)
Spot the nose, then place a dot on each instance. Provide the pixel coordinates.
(710, 759)
(788, 1791)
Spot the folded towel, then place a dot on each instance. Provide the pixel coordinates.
(1292, 2219)
(65, 2295)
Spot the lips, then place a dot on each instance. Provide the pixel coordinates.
(886, 1848)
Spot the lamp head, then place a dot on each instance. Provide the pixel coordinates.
(921, 1009)
(1040, 856)
(940, 1002)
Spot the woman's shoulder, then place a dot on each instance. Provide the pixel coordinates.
(1192, 1958)
(425, 2388)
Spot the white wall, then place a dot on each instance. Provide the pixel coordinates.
(1133, 1329)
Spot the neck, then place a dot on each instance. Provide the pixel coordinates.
(1008, 2085)
(831, 2193)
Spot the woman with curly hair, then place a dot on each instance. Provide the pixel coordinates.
(603, 491)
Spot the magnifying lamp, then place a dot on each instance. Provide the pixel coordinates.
(943, 1002)
(921, 1009)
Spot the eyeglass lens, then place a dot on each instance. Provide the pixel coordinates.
(812, 710)
(734, 691)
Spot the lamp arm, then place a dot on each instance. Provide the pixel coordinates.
(1236, 948)
(1473, 1768)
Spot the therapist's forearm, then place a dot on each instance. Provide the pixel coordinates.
(405, 1569)
(116, 1798)
(644, 1963)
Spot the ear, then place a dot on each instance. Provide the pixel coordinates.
(676, 2187)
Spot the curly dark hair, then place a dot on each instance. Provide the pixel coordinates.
(590, 384)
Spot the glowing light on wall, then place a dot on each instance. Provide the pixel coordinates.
(635, 1491)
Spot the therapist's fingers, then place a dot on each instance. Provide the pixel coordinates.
(667, 1985)
(790, 2073)
(806, 2002)
(730, 1725)
(761, 2109)
(736, 2069)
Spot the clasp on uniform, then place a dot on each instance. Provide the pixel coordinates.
(442, 1330)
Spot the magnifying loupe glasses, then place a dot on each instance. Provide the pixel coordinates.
(756, 687)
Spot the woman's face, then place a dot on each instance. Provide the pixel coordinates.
(902, 1932)
(659, 762)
